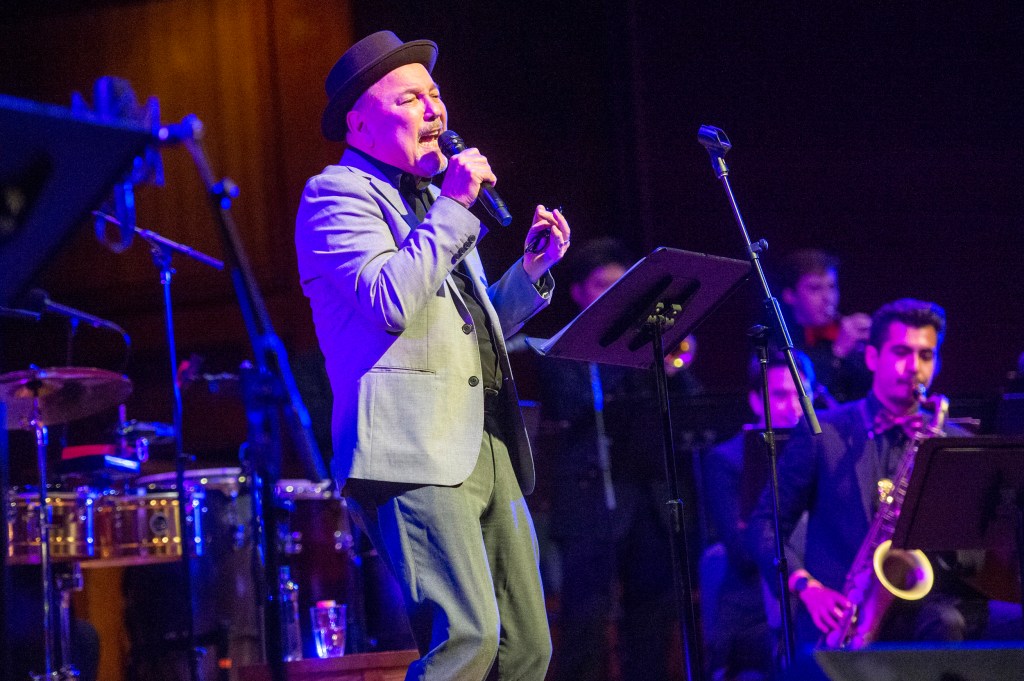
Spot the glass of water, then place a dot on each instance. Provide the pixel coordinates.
(328, 620)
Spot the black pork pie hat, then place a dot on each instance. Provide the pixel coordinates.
(362, 65)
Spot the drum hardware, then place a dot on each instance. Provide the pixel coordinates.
(68, 580)
(35, 399)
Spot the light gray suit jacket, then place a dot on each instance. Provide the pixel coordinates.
(402, 354)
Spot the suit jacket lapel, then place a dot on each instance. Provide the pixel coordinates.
(402, 220)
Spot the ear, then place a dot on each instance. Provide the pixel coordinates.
(756, 404)
(356, 123)
(871, 357)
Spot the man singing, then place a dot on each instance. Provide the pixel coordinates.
(426, 424)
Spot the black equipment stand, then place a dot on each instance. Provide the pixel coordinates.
(657, 303)
(966, 493)
(268, 388)
(162, 250)
(717, 144)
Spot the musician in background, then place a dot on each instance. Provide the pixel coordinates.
(736, 625)
(809, 283)
(834, 477)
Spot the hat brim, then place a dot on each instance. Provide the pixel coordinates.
(332, 123)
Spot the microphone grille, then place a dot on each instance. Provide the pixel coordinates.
(450, 143)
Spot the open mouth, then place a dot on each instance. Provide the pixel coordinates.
(430, 137)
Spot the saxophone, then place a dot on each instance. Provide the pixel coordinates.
(880, 573)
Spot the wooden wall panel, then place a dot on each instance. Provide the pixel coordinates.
(251, 71)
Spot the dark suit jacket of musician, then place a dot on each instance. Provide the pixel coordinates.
(834, 478)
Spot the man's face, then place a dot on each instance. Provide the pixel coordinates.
(398, 120)
(909, 355)
(596, 283)
(783, 396)
(814, 299)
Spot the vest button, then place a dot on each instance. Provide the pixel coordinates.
(474, 381)
(467, 329)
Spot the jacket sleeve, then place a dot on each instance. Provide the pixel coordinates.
(342, 234)
(515, 298)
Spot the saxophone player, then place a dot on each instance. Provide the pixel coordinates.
(834, 477)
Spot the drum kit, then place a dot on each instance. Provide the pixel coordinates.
(120, 519)
(207, 528)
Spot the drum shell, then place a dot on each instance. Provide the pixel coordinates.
(225, 608)
(72, 531)
(145, 527)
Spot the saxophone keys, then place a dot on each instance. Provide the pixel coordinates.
(885, 488)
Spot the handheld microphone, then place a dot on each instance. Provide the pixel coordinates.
(451, 144)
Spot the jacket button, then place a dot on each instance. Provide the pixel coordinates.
(474, 381)
(467, 329)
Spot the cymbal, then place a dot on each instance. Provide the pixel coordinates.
(65, 394)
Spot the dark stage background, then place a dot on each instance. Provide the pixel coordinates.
(888, 135)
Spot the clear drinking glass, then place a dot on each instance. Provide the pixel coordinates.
(328, 620)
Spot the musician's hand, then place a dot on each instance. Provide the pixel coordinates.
(467, 171)
(825, 606)
(853, 335)
(546, 242)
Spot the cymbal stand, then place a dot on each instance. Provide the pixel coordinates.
(45, 519)
(68, 581)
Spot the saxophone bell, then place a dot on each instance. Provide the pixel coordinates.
(905, 574)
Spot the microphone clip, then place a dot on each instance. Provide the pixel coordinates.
(718, 145)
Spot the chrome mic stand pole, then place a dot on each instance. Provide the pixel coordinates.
(163, 250)
(717, 145)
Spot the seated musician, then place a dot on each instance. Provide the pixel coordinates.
(834, 478)
(736, 626)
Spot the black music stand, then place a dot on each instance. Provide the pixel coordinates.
(966, 493)
(55, 167)
(657, 303)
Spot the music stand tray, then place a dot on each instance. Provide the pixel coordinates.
(953, 497)
(609, 331)
(55, 167)
(966, 493)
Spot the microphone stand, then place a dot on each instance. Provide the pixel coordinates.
(717, 144)
(269, 387)
(163, 250)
